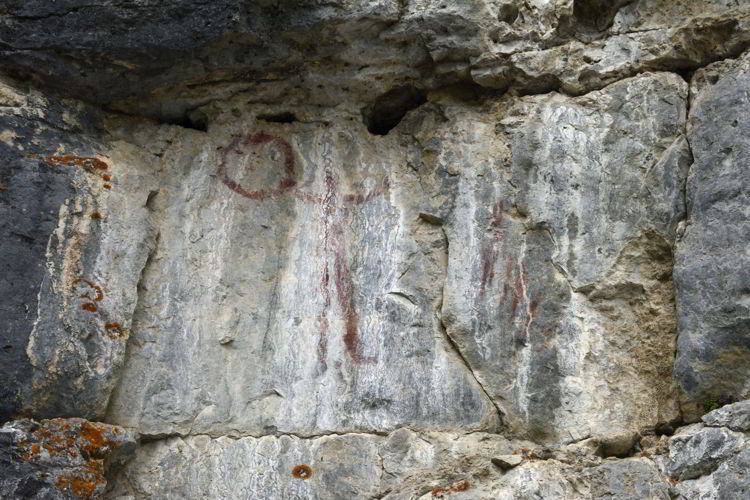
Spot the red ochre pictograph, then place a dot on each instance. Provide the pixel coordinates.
(237, 158)
(516, 283)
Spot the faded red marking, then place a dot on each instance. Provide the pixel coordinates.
(332, 241)
(520, 292)
(243, 146)
(345, 292)
(534, 303)
(359, 198)
(490, 251)
(323, 324)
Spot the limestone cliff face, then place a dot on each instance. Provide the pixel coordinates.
(374, 249)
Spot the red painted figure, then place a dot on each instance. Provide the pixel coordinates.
(330, 202)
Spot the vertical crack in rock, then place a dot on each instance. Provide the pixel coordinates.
(454, 345)
(682, 227)
(153, 246)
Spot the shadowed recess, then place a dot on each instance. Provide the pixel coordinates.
(388, 109)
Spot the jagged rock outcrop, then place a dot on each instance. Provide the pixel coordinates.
(60, 458)
(376, 249)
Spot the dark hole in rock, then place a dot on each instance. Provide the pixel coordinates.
(667, 428)
(686, 73)
(285, 117)
(7, 348)
(388, 109)
(151, 200)
(194, 120)
(617, 445)
(507, 13)
(597, 14)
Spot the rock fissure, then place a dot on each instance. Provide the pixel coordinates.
(454, 346)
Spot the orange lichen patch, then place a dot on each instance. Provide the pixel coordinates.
(107, 186)
(84, 480)
(454, 488)
(92, 440)
(84, 289)
(96, 215)
(89, 306)
(86, 445)
(302, 471)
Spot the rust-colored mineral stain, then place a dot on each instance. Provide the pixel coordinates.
(84, 289)
(303, 471)
(89, 306)
(114, 330)
(106, 177)
(85, 162)
(461, 486)
(455, 488)
(107, 186)
(96, 215)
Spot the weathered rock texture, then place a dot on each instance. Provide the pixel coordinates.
(376, 249)
(59, 457)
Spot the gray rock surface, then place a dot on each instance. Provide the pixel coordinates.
(730, 481)
(401, 465)
(75, 239)
(563, 242)
(715, 460)
(361, 248)
(735, 416)
(713, 358)
(506, 462)
(695, 452)
(629, 479)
